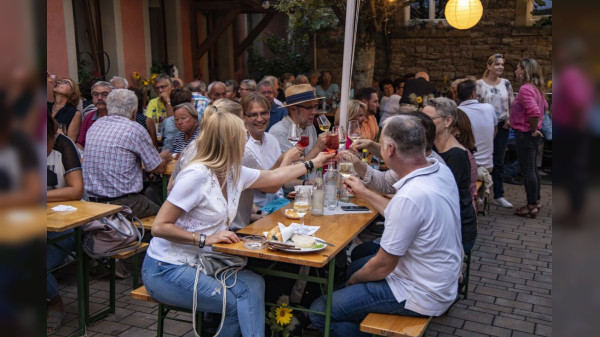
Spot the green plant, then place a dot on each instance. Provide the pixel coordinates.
(285, 58)
(280, 318)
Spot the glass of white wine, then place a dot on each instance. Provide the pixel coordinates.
(302, 202)
(324, 123)
(346, 168)
(354, 130)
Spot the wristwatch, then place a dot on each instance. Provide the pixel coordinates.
(168, 103)
(202, 241)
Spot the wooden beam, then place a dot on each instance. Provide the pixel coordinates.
(246, 6)
(194, 38)
(254, 33)
(217, 32)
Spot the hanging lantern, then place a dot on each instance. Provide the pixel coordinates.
(463, 14)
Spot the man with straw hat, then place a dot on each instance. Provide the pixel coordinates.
(302, 105)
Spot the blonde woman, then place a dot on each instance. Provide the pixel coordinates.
(197, 214)
(497, 91)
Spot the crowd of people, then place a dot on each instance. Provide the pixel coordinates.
(231, 142)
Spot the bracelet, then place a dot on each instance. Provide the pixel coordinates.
(303, 182)
(202, 242)
(307, 165)
(312, 165)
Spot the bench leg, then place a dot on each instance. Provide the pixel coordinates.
(112, 291)
(161, 320)
(136, 271)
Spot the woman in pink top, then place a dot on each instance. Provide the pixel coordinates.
(527, 112)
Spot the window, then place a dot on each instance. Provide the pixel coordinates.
(425, 10)
(533, 12)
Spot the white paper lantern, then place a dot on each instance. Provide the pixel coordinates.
(463, 14)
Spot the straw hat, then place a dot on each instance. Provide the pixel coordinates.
(300, 93)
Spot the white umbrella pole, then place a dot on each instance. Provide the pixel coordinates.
(349, 33)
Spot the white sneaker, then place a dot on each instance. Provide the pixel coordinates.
(502, 203)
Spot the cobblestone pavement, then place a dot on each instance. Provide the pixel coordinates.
(510, 291)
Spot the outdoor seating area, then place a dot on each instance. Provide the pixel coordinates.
(374, 170)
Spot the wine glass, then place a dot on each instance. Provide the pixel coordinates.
(342, 136)
(304, 140)
(302, 202)
(293, 134)
(324, 123)
(354, 130)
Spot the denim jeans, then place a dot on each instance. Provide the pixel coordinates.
(174, 285)
(54, 258)
(528, 148)
(500, 142)
(352, 304)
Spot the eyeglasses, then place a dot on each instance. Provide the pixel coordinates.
(162, 87)
(309, 108)
(246, 89)
(59, 82)
(434, 118)
(262, 114)
(266, 93)
(498, 56)
(103, 94)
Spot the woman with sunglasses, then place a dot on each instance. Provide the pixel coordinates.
(63, 109)
(497, 91)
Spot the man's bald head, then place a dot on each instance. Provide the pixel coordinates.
(423, 75)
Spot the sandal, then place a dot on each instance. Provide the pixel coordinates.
(527, 211)
(54, 320)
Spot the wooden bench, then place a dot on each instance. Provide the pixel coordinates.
(146, 222)
(142, 294)
(394, 325)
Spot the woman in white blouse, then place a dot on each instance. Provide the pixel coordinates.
(497, 91)
(197, 214)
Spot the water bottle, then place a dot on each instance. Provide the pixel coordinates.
(331, 181)
(318, 194)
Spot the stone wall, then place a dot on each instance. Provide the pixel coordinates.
(448, 52)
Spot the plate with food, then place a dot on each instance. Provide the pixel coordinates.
(293, 243)
(291, 213)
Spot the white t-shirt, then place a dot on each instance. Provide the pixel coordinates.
(422, 227)
(483, 120)
(198, 193)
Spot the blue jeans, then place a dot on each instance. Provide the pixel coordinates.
(174, 285)
(500, 142)
(528, 148)
(54, 258)
(352, 304)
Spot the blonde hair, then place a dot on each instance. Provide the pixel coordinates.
(220, 146)
(221, 105)
(354, 107)
(490, 61)
(532, 73)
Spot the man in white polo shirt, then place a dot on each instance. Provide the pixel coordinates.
(416, 270)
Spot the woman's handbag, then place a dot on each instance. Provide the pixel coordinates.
(221, 267)
(112, 235)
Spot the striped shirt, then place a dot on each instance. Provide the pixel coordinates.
(115, 149)
(179, 142)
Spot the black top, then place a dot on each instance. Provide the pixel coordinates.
(70, 158)
(418, 86)
(65, 114)
(280, 95)
(457, 160)
(11, 170)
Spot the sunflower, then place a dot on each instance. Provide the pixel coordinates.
(145, 82)
(549, 84)
(153, 76)
(284, 315)
(136, 75)
(419, 100)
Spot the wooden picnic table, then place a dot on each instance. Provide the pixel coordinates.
(338, 230)
(64, 221)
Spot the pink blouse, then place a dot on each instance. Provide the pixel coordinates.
(528, 103)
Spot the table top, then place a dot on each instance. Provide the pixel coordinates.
(86, 212)
(336, 229)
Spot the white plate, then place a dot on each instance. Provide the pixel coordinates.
(302, 250)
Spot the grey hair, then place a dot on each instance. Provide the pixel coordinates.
(407, 134)
(189, 107)
(121, 102)
(119, 78)
(251, 84)
(271, 79)
(102, 84)
(212, 84)
(265, 83)
(163, 77)
(445, 107)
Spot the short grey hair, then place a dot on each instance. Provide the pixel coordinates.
(121, 102)
(250, 84)
(189, 107)
(197, 86)
(102, 84)
(445, 107)
(271, 79)
(119, 78)
(407, 134)
(265, 83)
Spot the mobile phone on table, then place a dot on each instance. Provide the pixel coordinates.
(354, 208)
